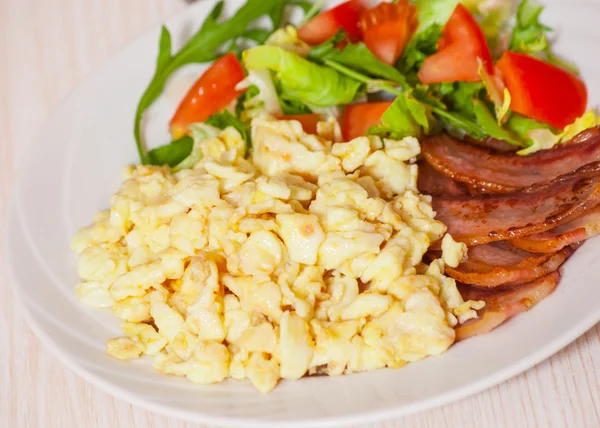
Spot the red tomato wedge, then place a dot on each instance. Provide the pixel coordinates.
(326, 25)
(387, 28)
(543, 91)
(211, 93)
(461, 47)
(308, 121)
(358, 118)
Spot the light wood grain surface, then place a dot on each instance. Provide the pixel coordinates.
(46, 48)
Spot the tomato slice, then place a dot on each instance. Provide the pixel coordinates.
(461, 47)
(543, 91)
(210, 94)
(387, 28)
(358, 118)
(326, 25)
(308, 121)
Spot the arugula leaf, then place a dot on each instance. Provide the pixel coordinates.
(301, 79)
(405, 117)
(202, 47)
(173, 153)
(420, 47)
(257, 35)
(224, 119)
(356, 56)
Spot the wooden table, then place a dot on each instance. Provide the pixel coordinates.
(46, 48)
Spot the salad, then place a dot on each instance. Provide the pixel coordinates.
(392, 69)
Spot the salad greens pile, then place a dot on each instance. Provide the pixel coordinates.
(288, 77)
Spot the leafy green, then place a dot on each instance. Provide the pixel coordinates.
(541, 136)
(433, 12)
(310, 8)
(405, 117)
(199, 132)
(258, 35)
(522, 125)
(287, 38)
(173, 153)
(293, 106)
(458, 96)
(420, 47)
(301, 79)
(488, 122)
(493, 17)
(224, 119)
(587, 121)
(356, 56)
(529, 35)
(202, 47)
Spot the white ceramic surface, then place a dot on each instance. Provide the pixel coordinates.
(74, 166)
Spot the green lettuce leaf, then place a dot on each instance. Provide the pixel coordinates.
(405, 117)
(589, 120)
(301, 79)
(433, 12)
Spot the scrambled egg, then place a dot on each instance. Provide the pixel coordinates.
(304, 259)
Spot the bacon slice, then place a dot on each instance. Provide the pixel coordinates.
(503, 303)
(480, 219)
(554, 240)
(489, 170)
(499, 263)
(434, 183)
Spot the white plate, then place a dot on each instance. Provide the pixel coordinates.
(74, 166)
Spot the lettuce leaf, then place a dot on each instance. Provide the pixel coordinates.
(589, 120)
(287, 38)
(225, 119)
(199, 132)
(433, 12)
(488, 122)
(405, 117)
(530, 36)
(541, 136)
(301, 79)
